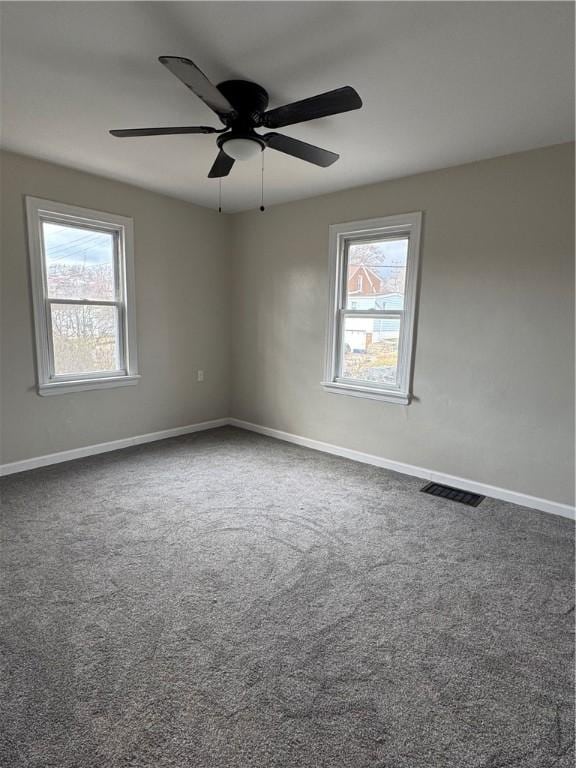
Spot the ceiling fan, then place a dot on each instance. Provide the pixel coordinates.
(241, 106)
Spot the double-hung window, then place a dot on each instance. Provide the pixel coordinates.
(82, 273)
(373, 286)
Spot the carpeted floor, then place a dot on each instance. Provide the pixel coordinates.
(225, 600)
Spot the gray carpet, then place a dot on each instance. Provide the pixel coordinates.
(229, 601)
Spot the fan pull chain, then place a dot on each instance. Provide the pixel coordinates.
(262, 185)
(220, 195)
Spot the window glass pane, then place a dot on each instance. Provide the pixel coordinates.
(370, 349)
(376, 274)
(79, 262)
(85, 338)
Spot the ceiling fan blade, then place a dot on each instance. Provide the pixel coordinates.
(325, 104)
(126, 132)
(186, 71)
(222, 166)
(300, 149)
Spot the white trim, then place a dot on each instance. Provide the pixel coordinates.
(113, 445)
(81, 385)
(39, 210)
(522, 499)
(373, 393)
(409, 224)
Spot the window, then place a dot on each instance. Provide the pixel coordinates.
(373, 273)
(83, 293)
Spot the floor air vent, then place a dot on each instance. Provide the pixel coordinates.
(453, 494)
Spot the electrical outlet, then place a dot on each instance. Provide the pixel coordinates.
(200, 376)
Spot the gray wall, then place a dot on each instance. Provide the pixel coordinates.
(182, 302)
(494, 370)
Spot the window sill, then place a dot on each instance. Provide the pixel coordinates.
(80, 385)
(387, 396)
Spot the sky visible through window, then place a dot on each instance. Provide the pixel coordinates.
(73, 245)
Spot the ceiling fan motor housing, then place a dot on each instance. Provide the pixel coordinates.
(249, 101)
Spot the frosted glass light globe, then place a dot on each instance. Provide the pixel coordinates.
(241, 149)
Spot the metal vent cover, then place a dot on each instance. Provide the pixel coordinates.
(453, 494)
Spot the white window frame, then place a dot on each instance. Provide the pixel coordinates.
(341, 235)
(39, 211)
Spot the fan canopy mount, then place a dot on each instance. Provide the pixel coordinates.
(241, 106)
(248, 99)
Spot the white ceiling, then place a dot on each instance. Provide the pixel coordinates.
(442, 83)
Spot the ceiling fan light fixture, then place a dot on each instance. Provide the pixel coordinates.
(242, 149)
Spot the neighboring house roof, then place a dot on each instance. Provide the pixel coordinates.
(363, 281)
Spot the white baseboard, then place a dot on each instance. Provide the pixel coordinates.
(533, 502)
(113, 445)
(524, 500)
